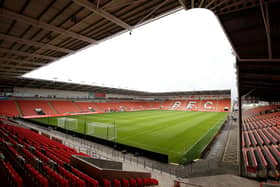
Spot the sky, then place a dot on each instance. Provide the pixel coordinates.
(184, 51)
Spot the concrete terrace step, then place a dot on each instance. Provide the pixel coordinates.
(222, 181)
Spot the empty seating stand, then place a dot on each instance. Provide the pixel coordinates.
(8, 175)
(28, 107)
(8, 108)
(85, 107)
(65, 107)
(43, 106)
(260, 142)
(207, 105)
(30, 159)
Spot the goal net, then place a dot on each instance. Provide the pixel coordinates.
(67, 123)
(102, 130)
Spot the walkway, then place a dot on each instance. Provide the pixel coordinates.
(219, 160)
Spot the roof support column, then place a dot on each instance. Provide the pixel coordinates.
(241, 166)
(265, 16)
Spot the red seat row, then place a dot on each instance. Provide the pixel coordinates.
(261, 157)
(54, 178)
(38, 161)
(36, 177)
(90, 182)
(73, 179)
(9, 174)
(259, 137)
(260, 141)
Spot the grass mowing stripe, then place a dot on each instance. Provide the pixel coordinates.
(195, 151)
(155, 125)
(164, 134)
(188, 136)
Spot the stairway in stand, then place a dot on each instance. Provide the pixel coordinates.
(18, 108)
(52, 107)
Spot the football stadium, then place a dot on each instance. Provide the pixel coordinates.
(134, 93)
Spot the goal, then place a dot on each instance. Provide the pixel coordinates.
(102, 130)
(67, 123)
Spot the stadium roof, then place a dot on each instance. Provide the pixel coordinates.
(45, 84)
(34, 33)
(260, 79)
(255, 35)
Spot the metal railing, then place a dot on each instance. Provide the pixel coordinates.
(100, 151)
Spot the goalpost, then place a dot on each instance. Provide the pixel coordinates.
(67, 123)
(102, 130)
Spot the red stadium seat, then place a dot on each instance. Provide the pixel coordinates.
(125, 182)
(116, 183)
(132, 182)
(106, 183)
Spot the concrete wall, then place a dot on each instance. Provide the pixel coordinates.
(31, 92)
(101, 173)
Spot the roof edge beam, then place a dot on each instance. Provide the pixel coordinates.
(22, 61)
(10, 73)
(36, 44)
(27, 54)
(16, 66)
(259, 60)
(14, 70)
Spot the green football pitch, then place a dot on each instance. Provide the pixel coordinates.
(179, 134)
